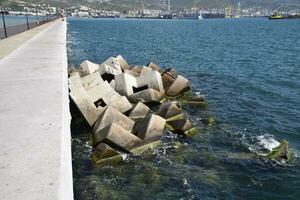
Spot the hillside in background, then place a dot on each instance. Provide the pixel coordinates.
(158, 4)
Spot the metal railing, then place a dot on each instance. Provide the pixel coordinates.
(6, 30)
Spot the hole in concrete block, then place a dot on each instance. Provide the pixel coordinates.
(135, 90)
(108, 77)
(100, 102)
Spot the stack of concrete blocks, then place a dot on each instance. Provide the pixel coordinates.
(114, 133)
(177, 122)
(91, 95)
(112, 95)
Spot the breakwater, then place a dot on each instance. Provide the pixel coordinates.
(112, 97)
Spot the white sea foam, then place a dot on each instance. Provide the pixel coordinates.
(124, 156)
(267, 142)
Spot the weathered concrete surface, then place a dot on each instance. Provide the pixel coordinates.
(35, 144)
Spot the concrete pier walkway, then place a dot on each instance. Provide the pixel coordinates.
(8, 45)
(35, 142)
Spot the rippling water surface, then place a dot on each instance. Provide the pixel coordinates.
(249, 72)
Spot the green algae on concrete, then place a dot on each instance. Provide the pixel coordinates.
(280, 153)
(115, 159)
(208, 121)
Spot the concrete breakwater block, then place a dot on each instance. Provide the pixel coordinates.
(179, 87)
(122, 62)
(177, 122)
(91, 80)
(146, 96)
(82, 100)
(87, 67)
(181, 126)
(169, 109)
(103, 151)
(146, 88)
(150, 128)
(111, 115)
(139, 111)
(116, 137)
(153, 66)
(113, 63)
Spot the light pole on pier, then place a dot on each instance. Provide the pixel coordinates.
(27, 19)
(4, 25)
(36, 13)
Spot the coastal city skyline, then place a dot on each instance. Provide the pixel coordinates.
(164, 8)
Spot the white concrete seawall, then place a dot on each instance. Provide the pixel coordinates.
(35, 139)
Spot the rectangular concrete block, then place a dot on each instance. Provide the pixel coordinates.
(125, 83)
(139, 111)
(152, 79)
(153, 66)
(150, 128)
(91, 80)
(146, 96)
(180, 126)
(145, 70)
(100, 91)
(145, 88)
(116, 137)
(112, 62)
(106, 69)
(179, 86)
(87, 67)
(82, 100)
(122, 62)
(104, 95)
(133, 73)
(103, 151)
(169, 109)
(111, 115)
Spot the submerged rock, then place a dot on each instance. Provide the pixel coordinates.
(208, 121)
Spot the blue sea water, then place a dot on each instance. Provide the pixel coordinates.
(249, 72)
